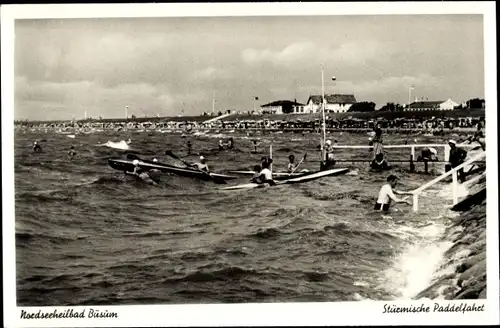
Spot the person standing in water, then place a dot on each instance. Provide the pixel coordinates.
(457, 156)
(377, 143)
(36, 147)
(72, 152)
(255, 144)
(386, 195)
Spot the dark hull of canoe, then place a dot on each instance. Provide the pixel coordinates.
(127, 165)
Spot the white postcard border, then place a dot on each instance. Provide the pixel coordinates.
(278, 314)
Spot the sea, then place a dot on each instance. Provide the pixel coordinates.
(87, 234)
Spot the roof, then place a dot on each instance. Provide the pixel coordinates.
(333, 99)
(426, 104)
(282, 103)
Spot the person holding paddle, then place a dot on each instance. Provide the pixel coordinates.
(291, 164)
(202, 165)
(265, 175)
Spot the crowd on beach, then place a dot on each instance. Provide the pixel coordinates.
(425, 125)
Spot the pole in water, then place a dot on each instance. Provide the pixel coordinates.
(271, 157)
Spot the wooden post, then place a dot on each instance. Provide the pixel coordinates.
(271, 157)
(455, 187)
(415, 202)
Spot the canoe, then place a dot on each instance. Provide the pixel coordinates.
(301, 179)
(127, 165)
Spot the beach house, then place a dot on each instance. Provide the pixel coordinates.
(334, 103)
(431, 105)
(280, 107)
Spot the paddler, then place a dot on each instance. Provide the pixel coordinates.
(386, 194)
(221, 145)
(140, 173)
(230, 144)
(291, 164)
(265, 175)
(202, 165)
(330, 161)
(36, 147)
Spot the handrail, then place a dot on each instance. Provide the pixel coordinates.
(403, 146)
(452, 172)
(446, 174)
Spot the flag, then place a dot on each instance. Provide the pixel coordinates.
(256, 98)
(412, 87)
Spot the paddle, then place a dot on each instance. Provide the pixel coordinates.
(303, 158)
(215, 179)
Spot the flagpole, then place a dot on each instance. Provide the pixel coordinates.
(323, 110)
(213, 103)
(126, 112)
(409, 97)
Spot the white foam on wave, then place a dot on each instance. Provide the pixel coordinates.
(124, 145)
(416, 267)
(420, 261)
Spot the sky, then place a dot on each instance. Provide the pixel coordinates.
(172, 66)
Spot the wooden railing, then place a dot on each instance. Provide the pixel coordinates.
(445, 146)
(453, 173)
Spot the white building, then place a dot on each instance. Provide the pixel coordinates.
(431, 105)
(333, 103)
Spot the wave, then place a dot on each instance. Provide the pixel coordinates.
(223, 274)
(30, 238)
(123, 145)
(107, 181)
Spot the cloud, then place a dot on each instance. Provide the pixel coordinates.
(211, 72)
(45, 100)
(302, 54)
